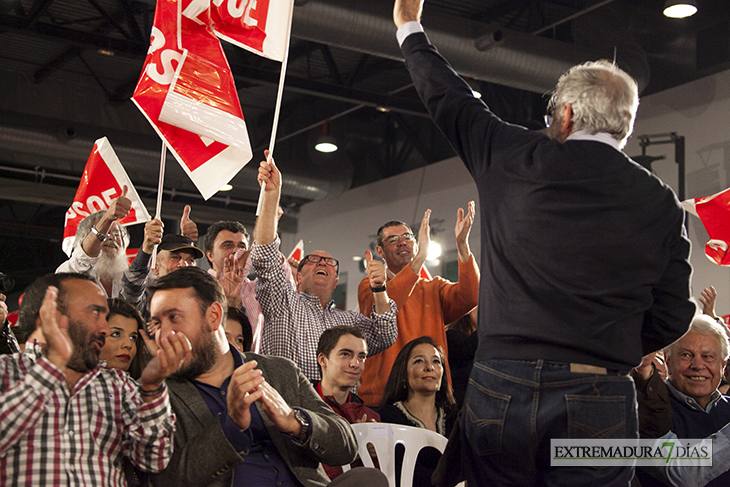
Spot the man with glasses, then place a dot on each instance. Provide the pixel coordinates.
(585, 264)
(295, 318)
(425, 306)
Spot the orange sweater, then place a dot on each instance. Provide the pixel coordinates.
(424, 308)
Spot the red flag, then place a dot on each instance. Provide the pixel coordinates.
(260, 26)
(424, 274)
(714, 211)
(102, 181)
(298, 252)
(208, 163)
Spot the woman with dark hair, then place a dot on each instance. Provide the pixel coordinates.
(123, 347)
(416, 394)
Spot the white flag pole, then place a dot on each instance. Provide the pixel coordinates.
(158, 208)
(279, 97)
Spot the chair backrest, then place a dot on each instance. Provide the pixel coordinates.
(384, 437)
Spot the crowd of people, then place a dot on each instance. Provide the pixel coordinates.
(581, 325)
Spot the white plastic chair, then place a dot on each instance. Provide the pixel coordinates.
(384, 437)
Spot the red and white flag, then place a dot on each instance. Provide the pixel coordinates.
(102, 181)
(186, 62)
(298, 252)
(260, 26)
(714, 211)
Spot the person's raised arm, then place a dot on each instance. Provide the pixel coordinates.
(407, 11)
(117, 209)
(707, 298)
(376, 275)
(461, 231)
(266, 223)
(424, 241)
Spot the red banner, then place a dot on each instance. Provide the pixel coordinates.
(102, 181)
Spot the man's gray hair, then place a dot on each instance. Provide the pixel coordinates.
(705, 325)
(604, 98)
(85, 227)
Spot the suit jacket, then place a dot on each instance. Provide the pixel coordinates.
(203, 456)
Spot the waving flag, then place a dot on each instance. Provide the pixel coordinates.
(260, 26)
(186, 62)
(102, 181)
(425, 274)
(714, 211)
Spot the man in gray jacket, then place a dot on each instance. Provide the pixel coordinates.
(247, 418)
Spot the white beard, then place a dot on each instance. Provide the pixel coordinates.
(110, 267)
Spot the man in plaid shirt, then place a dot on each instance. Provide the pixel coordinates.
(64, 418)
(296, 318)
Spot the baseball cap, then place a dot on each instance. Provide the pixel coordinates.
(172, 242)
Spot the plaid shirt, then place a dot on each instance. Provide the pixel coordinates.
(49, 436)
(295, 321)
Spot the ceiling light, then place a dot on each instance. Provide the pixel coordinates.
(434, 251)
(326, 143)
(226, 187)
(679, 9)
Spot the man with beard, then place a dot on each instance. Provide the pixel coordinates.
(243, 419)
(64, 418)
(100, 247)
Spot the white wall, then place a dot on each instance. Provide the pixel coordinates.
(700, 111)
(345, 225)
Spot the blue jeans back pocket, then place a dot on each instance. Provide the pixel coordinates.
(597, 417)
(483, 416)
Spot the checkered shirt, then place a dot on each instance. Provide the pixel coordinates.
(50, 436)
(295, 321)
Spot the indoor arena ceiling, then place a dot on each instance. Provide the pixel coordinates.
(69, 67)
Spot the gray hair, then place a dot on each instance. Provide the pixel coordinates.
(85, 227)
(705, 325)
(604, 98)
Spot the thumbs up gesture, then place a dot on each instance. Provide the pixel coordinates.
(188, 228)
(119, 208)
(375, 270)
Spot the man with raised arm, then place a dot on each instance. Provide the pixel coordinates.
(295, 318)
(64, 418)
(584, 266)
(425, 307)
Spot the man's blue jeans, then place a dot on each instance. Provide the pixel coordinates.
(513, 408)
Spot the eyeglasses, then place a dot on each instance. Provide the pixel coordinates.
(316, 259)
(394, 239)
(549, 112)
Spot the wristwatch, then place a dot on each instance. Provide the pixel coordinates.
(303, 419)
(101, 236)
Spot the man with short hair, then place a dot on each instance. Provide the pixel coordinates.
(227, 250)
(243, 419)
(341, 355)
(173, 252)
(100, 246)
(295, 318)
(585, 266)
(65, 419)
(425, 307)
(691, 401)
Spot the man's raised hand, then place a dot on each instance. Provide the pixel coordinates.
(188, 228)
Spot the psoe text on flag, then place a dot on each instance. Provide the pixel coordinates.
(630, 452)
